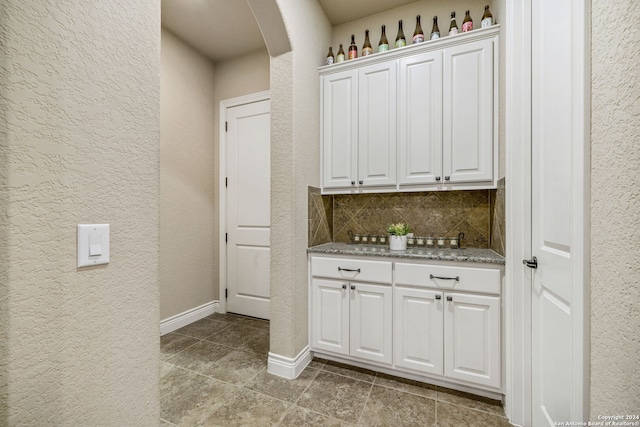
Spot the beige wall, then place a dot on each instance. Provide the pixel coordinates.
(295, 164)
(188, 231)
(615, 208)
(79, 128)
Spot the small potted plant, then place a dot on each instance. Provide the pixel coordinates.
(398, 236)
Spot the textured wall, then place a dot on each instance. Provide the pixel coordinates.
(79, 122)
(188, 174)
(615, 208)
(295, 164)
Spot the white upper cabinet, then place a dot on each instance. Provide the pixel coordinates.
(377, 124)
(421, 117)
(468, 112)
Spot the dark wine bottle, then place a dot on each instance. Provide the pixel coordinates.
(340, 56)
(383, 45)
(467, 24)
(418, 34)
(487, 18)
(400, 39)
(366, 47)
(330, 58)
(453, 28)
(353, 49)
(435, 31)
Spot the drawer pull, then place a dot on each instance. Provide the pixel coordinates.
(457, 278)
(344, 286)
(449, 298)
(438, 296)
(353, 287)
(349, 269)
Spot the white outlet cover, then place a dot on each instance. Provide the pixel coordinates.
(93, 244)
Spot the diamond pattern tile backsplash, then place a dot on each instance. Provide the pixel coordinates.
(436, 213)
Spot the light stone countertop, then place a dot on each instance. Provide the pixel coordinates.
(464, 255)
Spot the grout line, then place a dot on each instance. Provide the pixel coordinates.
(308, 385)
(165, 421)
(365, 405)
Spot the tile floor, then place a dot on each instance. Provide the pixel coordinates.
(214, 374)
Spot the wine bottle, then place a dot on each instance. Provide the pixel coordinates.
(353, 49)
(467, 24)
(340, 56)
(435, 31)
(383, 44)
(487, 18)
(418, 34)
(400, 39)
(366, 47)
(453, 28)
(330, 58)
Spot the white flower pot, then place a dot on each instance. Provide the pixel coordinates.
(398, 243)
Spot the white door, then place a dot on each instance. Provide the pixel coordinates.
(472, 338)
(468, 108)
(330, 316)
(248, 209)
(370, 322)
(418, 329)
(377, 124)
(558, 138)
(420, 119)
(340, 129)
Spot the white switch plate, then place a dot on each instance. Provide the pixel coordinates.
(93, 244)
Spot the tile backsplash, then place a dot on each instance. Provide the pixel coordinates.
(479, 214)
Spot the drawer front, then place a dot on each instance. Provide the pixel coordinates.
(442, 277)
(352, 269)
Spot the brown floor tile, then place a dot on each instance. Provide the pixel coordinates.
(298, 416)
(172, 343)
(248, 408)
(224, 317)
(172, 377)
(235, 335)
(203, 328)
(238, 367)
(200, 357)
(388, 407)
(470, 401)
(317, 363)
(254, 323)
(408, 386)
(336, 396)
(456, 416)
(349, 371)
(194, 399)
(259, 343)
(281, 388)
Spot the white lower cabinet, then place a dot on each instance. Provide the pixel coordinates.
(440, 321)
(352, 319)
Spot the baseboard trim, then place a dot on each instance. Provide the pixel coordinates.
(287, 367)
(172, 323)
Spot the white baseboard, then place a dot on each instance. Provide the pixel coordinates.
(172, 323)
(287, 367)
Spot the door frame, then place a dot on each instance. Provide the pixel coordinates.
(222, 202)
(518, 292)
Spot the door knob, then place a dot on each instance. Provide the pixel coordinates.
(531, 263)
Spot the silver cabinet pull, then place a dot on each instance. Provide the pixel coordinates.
(353, 183)
(449, 298)
(349, 269)
(457, 278)
(438, 296)
(438, 178)
(447, 178)
(344, 286)
(361, 182)
(353, 287)
(531, 263)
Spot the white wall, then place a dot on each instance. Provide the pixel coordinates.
(79, 143)
(188, 207)
(615, 208)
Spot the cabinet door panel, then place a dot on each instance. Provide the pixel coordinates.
(330, 316)
(377, 124)
(418, 330)
(371, 322)
(472, 338)
(468, 109)
(340, 129)
(420, 119)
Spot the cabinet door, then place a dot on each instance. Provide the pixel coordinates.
(371, 323)
(472, 338)
(340, 129)
(330, 316)
(418, 330)
(377, 125)
(468, 112)
(420, 119)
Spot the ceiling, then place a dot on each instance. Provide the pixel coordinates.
(223, 29)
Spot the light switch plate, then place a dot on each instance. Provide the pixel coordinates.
(93, 244)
